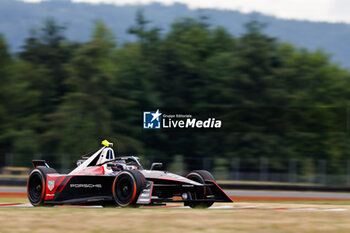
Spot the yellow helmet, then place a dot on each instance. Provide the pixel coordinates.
(107, 143)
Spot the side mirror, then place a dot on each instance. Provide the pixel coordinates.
(156, 166)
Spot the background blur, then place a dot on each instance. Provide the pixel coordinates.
(68, 82)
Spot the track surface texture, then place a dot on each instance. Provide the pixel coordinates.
(240, 195)
(243, 217)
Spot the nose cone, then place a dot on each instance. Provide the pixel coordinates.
(161, 175)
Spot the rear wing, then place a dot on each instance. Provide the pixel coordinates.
(37, 163)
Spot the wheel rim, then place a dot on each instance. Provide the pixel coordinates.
(35, 188)
(124, 189)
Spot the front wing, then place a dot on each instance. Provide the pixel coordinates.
(155, 193)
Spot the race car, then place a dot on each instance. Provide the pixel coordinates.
(101, 178)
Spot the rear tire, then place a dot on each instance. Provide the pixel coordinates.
(36, 185)
(127, 187)
(200, 176)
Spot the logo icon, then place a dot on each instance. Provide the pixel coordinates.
(51, 184)
(151, 120)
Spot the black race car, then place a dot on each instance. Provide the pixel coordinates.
(100, 178)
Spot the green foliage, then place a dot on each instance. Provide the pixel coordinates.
(178, 165)
(221, 169)
(61, 97)
(5, 119)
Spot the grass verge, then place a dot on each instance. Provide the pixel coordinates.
(169, 220)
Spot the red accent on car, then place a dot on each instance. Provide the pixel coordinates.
(210, 181)
(150, 197)
(64, 183)
(96, 170)
(49, 194)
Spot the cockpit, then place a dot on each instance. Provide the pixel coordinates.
(106, 158)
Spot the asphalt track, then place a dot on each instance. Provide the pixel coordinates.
(13, 190)
(247, 193)
(288, 194)
(236, 195)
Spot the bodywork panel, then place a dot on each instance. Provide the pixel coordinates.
(71, 188)
(92, 182)
(160, 187)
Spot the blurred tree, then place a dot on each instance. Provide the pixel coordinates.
(147, 38)
(221, 170)
(178, 165)
(85, 115)
(49, 49)
(5, 78)
(62, 97)
(19, 119)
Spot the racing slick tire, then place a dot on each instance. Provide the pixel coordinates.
(127, 186)
(36, 185)
(200, 176)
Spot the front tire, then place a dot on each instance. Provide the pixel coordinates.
(127, 186)
(200, 176)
